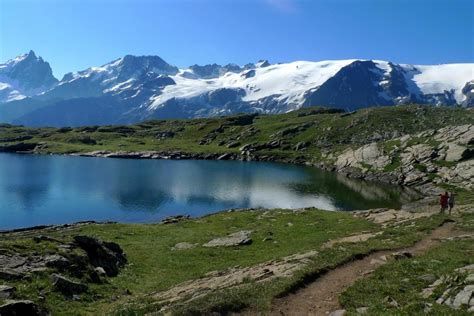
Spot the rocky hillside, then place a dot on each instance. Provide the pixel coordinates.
(134, 88)
(410, 145)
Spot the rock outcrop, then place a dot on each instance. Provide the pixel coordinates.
(235, 239)
(107, 255)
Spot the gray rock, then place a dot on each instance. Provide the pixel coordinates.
(100, 271)
(6, 291)
(11, 261)
(235, 239)
(56, 261)
(107, 255)
(470, 278)
(8, 274)
(182, 246)
(17, 308)
(362, 310)
(468, 269)
(339, 312)
(463, 297)
(66, 286)
(454, 152)
(427, 277)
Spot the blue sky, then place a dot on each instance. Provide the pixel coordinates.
(75, 34)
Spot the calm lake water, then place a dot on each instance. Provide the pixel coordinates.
(36, 190)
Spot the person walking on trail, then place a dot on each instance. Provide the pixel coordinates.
(443, 202)
(451, 202)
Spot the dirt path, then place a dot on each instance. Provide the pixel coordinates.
(321, 296)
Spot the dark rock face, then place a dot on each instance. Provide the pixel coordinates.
(468, 91)
(6, 291)
(66, 286)
(19, 308)
(107, 255)
(215, 70)
(351, 88)
(131, 66)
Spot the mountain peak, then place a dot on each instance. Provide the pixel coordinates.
(31, 54)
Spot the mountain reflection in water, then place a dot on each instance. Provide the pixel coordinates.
(58, 189)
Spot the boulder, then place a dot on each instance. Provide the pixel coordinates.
(19, 308)
(8, 274)
(56, 261)
(107, 255)
(463, 297)
(100, 271)
(6, 291)
(235, 239)
(454, 152)
(66, 286)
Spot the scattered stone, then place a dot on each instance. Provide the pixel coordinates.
(351, 239)
(107, 255)
(17, 308)
(56, 261)
(466, 269)
(8, 274)
(183, 245)
(41, 238)
(100, 271)
(232, 277)
(174, 219)
(233, 144)
(66, 286)
(391, 301)
(6, 291)
(339, 312)
(427, 277)
(11, 262)
(402, 255)
(470, 278)
(463, 297)
(235, 239)
(362, 310)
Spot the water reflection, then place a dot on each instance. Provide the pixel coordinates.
(53, 189)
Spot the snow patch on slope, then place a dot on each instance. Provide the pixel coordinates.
(287, 81)
(435, 79)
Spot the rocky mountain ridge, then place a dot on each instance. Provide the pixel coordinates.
(134, 88)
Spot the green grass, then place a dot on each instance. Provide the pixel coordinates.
(401, 280)
(320, 129)
(153, 266)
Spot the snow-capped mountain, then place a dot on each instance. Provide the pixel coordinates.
(133, 88)
(23, 76)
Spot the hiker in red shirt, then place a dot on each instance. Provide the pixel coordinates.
(443, 201)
